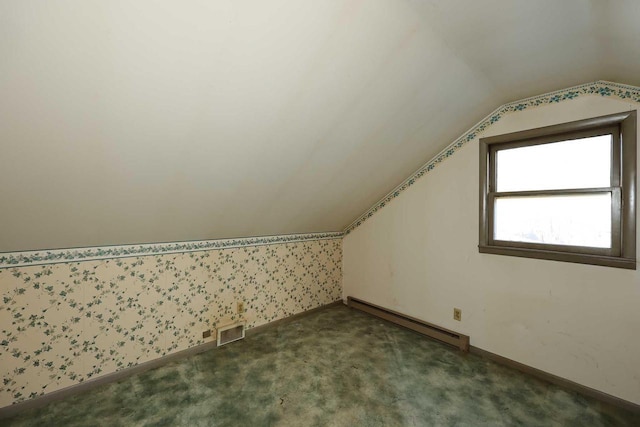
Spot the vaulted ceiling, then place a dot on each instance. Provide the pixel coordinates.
(160, 120)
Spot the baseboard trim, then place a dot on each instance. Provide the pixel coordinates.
(289, 319)
(54, 396)
(554, 379)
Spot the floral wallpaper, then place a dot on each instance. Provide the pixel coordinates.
(69, 322)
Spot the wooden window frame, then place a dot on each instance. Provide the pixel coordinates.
(622, 253)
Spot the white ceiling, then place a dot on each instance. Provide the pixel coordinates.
(160, 120)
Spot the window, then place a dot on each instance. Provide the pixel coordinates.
(565, 192)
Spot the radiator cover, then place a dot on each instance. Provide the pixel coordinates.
(436, 332)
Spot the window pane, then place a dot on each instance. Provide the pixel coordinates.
(583, 220)
(577, 163)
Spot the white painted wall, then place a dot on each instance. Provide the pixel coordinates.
(419, 256)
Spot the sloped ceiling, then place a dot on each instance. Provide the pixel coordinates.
(161, 120)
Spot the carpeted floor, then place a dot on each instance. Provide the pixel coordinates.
(335, 367)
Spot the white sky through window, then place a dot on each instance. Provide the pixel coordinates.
(578, 163)
(583, 220)
(574, 220)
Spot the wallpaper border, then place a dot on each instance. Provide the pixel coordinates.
(600, 87)
(56, 256)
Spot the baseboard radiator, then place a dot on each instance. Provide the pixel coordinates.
(436, 332)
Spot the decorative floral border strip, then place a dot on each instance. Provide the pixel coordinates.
(55, 256)
(600, 87)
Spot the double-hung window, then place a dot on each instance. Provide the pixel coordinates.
(564, 192)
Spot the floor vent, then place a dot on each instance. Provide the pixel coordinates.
(230, 333)
(441, 334)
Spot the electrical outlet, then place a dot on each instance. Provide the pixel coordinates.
(206, 334)
(457, 314)
(240, 307)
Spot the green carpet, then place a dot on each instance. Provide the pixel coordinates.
(335, 367)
